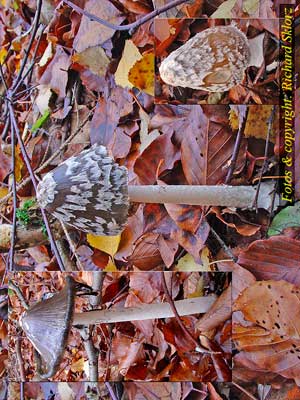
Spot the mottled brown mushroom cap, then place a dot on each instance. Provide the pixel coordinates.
(88, 191)
(213, 60)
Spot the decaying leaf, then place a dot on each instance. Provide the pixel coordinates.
(257, 122)
(93, 58)
(141, 75)
(130, 55)
(272, 342)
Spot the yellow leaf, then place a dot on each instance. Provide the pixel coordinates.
(130, 55)
(78, 366)
(187, 262)
(18, 165)
(257, 122)
(141, 75)
(108, 244)
(111, 267)
(3, 192)
(3, 53)
(93, 58)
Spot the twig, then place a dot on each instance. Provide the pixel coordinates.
(72, 246)
(14, 190)
(63, 252)
(111, 391)
(236, 148)
(27, 51)
(34, 182)
(244, 391)
(98, 278)
(20, 359)
(223, 245)
(198, 347)
(18, 292)
(270, 125)
(128, 27)
(91, 351)
(46, 163)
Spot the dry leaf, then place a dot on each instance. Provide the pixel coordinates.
(141, 75)
(130, 55)
(93, 58)
(108, 244)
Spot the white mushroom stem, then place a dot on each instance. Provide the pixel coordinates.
(197, 305)
(219, 195)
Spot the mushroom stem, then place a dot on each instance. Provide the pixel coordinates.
(196, 305)
(219, 195)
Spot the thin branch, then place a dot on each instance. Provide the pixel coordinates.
(128, 27)
(111, 391)
(46, 163)
(20, 359)
(198, 346)
(14, 190)
(244, 391)
(236, 148)
(27, 51)
(34, 182)
(270, 125)
(19, 293)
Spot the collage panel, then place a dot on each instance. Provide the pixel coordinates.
(154, 156)
(215, 61)
(144, 326)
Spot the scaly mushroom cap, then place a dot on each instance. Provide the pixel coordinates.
(88, 191)
(213, 60)
(47, 325)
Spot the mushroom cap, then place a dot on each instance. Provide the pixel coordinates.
(88, 191)
(47, 325)
(213, 60)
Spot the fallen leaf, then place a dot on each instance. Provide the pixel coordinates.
(130, 55)
(224, 9)
(141, 75)
(275, 258)
(91, 33)
(286, 218)
(65, 391)
(108, 244)
(93, 58)
(188, 263)
(272, 342)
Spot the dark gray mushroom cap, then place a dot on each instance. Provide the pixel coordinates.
(88, 191)
(47, 325)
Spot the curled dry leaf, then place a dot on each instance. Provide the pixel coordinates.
(272, 343)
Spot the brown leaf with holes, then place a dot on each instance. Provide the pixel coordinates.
(272, 342)
(275, 258)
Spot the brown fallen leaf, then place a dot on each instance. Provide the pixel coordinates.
(274, 258)
(272, 342)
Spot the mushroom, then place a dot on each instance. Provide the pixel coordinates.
(213, 60)
(47, 323)
(91, 192)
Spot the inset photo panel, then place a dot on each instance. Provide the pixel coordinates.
(217, 61)
(124, 326)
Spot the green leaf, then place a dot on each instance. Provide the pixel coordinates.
(40, 122)
(289, 217)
